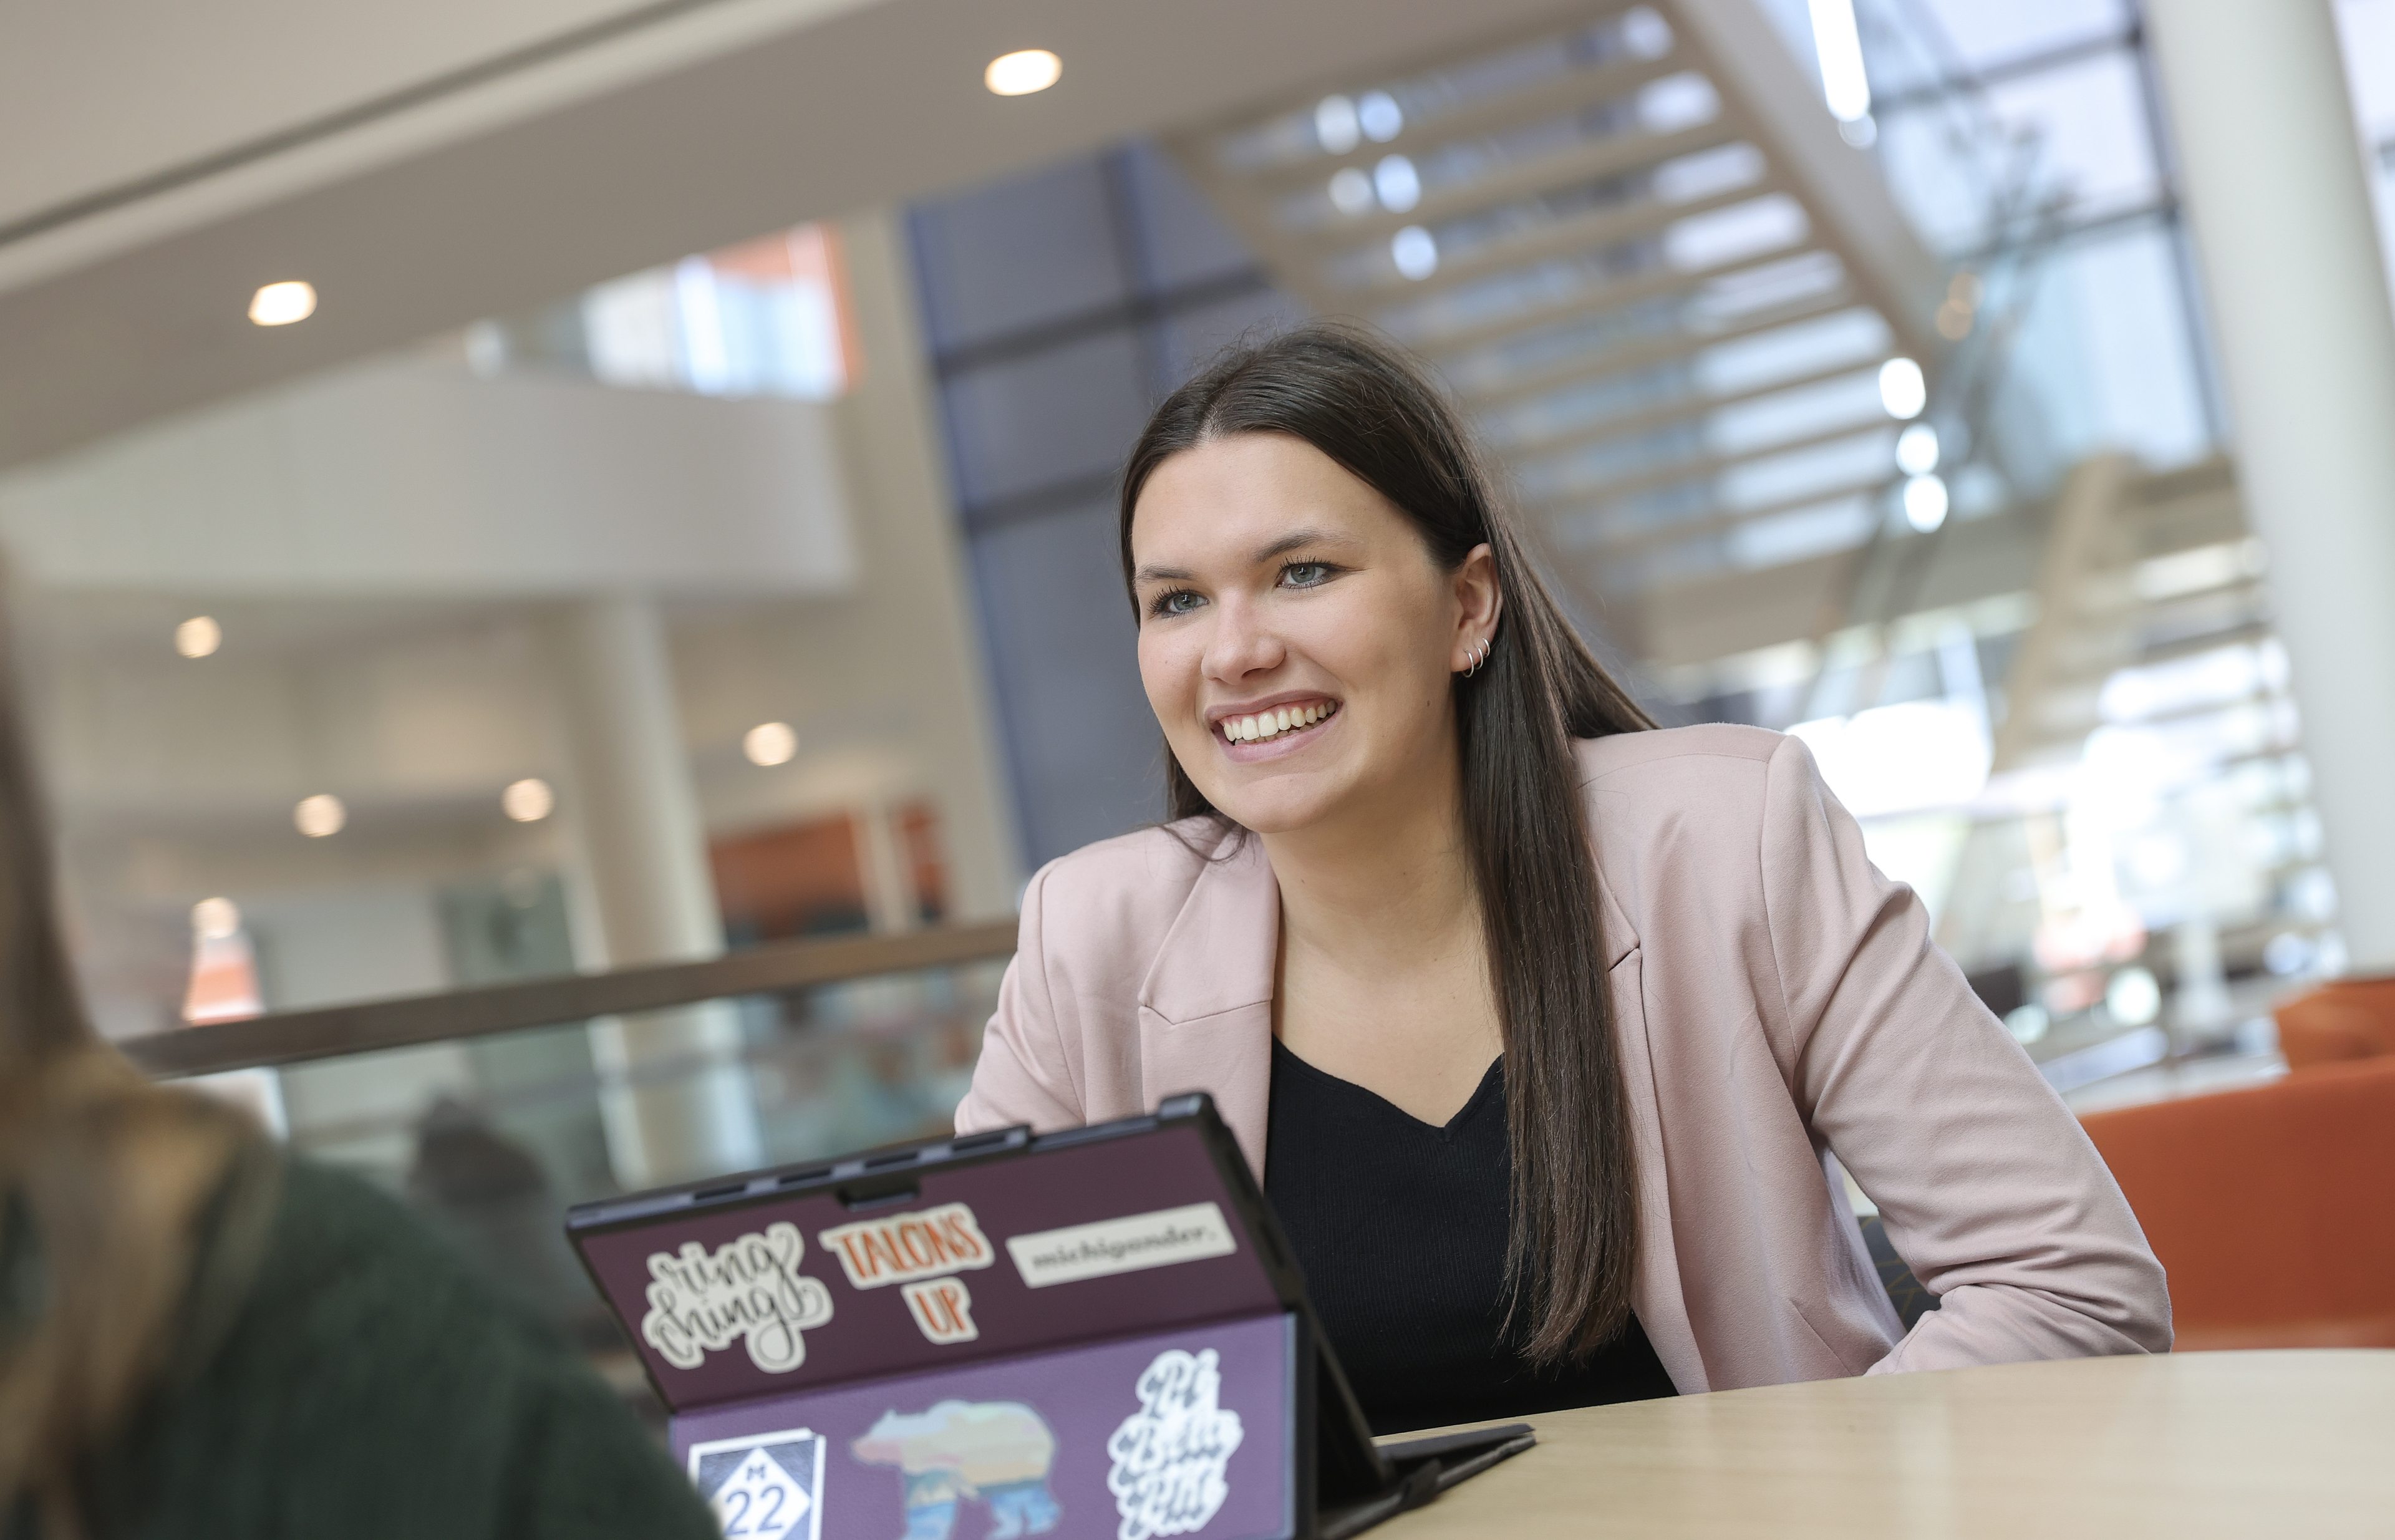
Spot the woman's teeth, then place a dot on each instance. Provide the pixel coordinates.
(1272, 724)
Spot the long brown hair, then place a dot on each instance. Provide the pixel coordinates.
(1572, 1245)
(116, 1196)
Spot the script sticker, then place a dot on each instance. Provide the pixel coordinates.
(749, 1288)
(903, 1247)
(1171, 1455)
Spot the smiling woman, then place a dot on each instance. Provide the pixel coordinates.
(1536, 1022)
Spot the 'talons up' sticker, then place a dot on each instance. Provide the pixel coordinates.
(749, 1289)
(921, 1252)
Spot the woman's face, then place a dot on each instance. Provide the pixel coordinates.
(1296, 638)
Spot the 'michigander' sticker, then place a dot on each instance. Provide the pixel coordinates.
(768, 1486)
(1130, 1244)
(901, 1248)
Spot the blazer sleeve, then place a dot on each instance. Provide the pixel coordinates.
(1987, 1185)
(1024, 1075)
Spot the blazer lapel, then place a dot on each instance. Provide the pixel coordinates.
(1205, 1007)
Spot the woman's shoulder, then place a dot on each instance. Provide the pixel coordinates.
(1098, 919)
(1662, 758)
(1713, 790)
(1142, 875)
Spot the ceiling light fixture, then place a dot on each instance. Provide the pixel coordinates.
(770, 743)
(1838, 45)
(1903, 390)
(528, 801)
(199, 637)
(320, 816)
(279, 304)
(1924, 502)
(1917, 449)
(1023, 71)
(1415, 252)
(1335, 127)
(215, 919)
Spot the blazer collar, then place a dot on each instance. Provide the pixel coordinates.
(1224, 947)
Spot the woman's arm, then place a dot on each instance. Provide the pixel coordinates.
(1986, 1184)
(1024, 1075)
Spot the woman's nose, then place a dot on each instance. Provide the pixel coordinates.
(1241, 645)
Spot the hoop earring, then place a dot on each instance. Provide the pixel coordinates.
(1479, 659)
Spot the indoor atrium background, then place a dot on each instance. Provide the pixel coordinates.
(1855, 376)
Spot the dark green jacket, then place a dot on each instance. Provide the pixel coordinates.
(370, 1386)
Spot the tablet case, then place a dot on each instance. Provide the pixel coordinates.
(1095, 1333)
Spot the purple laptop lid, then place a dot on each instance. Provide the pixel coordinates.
(1037, 1248)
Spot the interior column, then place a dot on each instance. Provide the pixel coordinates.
(675, 1101)
(2273, 179)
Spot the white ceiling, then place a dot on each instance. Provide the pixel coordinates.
(498, 196)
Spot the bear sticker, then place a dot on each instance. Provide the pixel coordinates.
(993, 1453)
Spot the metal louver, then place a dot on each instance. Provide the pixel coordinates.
(1636, 247)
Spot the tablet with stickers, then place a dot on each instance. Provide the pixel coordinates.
(1091, 1335)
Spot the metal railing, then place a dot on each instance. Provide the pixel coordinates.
(333, 1031)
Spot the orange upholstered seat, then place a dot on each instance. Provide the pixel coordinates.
(2353, 1019)
(2273, 1209)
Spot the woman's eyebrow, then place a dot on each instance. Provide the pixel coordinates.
(1160, 574)
(1297, 540)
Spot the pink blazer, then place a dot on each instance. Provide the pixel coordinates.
(1777, 1001)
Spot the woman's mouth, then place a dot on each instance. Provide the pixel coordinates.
(1280, 722)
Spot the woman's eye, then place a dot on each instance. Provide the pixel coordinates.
(1306, 573)
(1177, 601)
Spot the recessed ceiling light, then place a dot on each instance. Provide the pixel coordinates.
(528, 801)
(1903, 390)
(770, 743)
(215, 919)
(320, 816)
(1023, 71)
(279, 304)
(199, 636)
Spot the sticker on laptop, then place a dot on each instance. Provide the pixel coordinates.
(748, 1290)
(942, 1309)
(993, 1453)
(1130, 1244)
(901, 1248)
(1172, 1456)
(768, 1486)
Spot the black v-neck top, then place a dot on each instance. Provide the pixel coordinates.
(1400, 1228)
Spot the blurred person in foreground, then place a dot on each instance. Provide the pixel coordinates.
(201, 1336)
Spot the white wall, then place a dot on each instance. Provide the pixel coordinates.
(412, 477)
(175, 779)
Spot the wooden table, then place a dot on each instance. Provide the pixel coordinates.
(2194, 1444)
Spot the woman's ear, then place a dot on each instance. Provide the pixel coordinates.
(1480, 604)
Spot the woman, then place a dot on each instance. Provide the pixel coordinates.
(201, 1338)
(1537, 1023)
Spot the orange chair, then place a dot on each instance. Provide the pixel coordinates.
(2273, 1209)
(2352, 1019)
